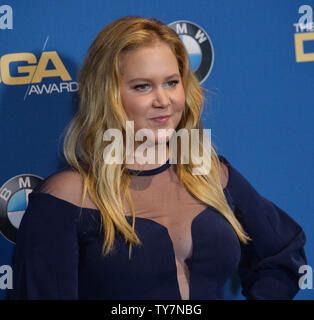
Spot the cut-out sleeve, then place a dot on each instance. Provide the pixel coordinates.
(270, 262)
(45, 260)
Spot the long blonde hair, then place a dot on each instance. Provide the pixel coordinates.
(100, 108)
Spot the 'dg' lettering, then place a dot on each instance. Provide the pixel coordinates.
(34, 72)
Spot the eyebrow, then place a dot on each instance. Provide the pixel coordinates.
(148, 79)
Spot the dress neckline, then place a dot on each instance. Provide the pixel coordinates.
(149, 172)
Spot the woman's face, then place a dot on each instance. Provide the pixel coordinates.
(151, 88)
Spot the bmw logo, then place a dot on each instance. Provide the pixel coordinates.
(13, 203)
(198, 46)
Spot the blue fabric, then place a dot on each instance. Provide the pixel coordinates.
(58, 252)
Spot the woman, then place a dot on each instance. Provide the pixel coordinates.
(132, 230)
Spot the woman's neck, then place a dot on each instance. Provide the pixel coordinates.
(153, 157)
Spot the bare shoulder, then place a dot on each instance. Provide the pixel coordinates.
(224, 174)
(67, 185)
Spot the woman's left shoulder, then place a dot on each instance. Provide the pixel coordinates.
(224, 171)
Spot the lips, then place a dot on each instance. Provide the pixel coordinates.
(161, 119)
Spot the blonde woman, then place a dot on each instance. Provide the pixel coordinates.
(104, 229)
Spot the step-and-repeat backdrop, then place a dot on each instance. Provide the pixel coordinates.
(255, 60)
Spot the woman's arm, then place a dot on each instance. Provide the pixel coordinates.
(270, 262)
(45, 262)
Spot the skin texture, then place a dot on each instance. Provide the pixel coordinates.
(151, 86)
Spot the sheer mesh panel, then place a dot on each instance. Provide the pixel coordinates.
(161, 198)
(68, 186)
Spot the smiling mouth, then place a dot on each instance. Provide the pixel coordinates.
(161, 119)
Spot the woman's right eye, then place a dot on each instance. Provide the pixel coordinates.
(142, 87)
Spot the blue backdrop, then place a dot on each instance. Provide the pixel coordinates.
(259, 95)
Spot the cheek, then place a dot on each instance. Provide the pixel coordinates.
(135, 107)
(180, 101)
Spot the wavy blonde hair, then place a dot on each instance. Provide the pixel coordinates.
(100, 108)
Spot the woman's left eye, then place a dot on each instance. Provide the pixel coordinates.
(172, 83)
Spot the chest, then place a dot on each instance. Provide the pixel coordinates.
(172, 207)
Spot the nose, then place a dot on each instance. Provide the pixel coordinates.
(161, 98)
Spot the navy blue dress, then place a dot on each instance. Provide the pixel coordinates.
(58, 252)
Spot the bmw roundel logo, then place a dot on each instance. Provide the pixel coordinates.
(13, 203)
(198, 45)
